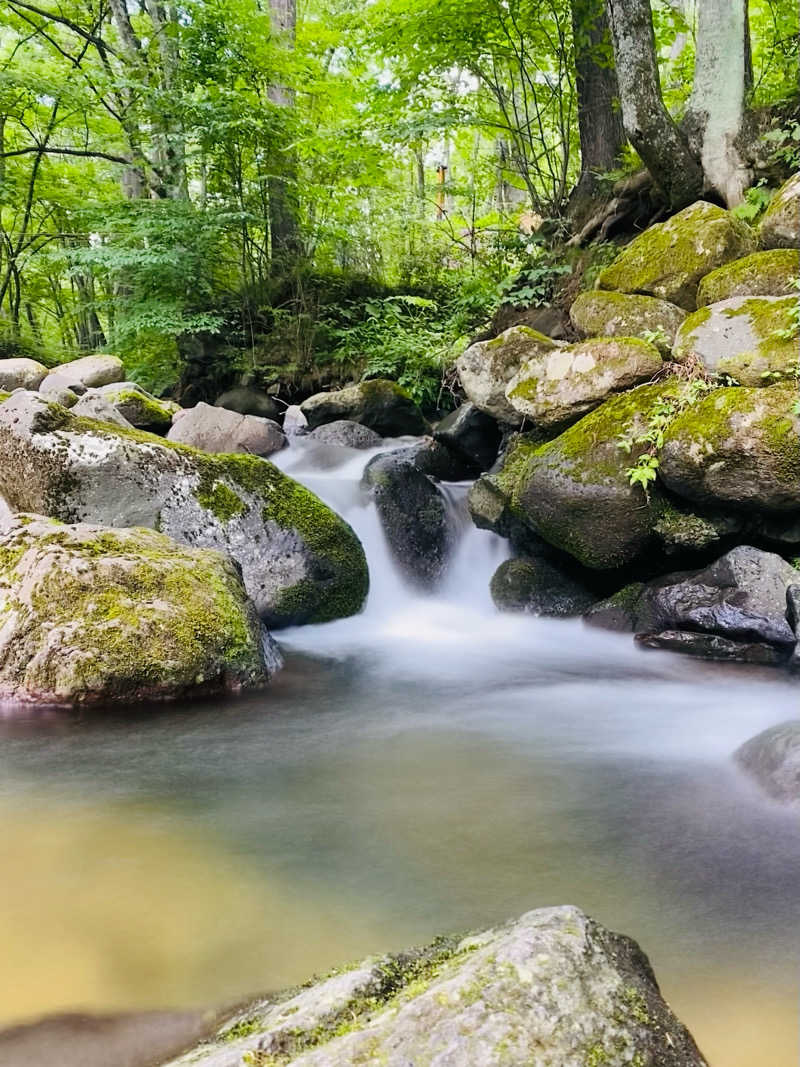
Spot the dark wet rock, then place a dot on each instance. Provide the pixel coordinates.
(772, 759)
(619, 612)
(714, 647)
(680, 529)
(248, 400)
(472, 434)
(440, 462)
(381, 405)
(414, 516)
(538, 587)
(215, 429)
(346, 433)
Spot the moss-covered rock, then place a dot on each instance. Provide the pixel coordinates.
(486, 368)
(780, 226)
(381, 405)
(760, 274)
(553, 389)
(737, 448)
(538, 587)
(599, 313)
(751, 339)
(94, 615)
(669, 259)
(140, 408)
(300, 561)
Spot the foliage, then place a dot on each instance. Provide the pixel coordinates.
(755, 203)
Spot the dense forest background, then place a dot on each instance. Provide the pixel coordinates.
(220, 190)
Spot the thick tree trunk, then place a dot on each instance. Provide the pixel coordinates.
(282, 186)
(649, 126)
(716, 111)
(599, 116)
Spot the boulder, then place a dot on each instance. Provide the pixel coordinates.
(780, 226)
(537, 587)
(772, 759)
(713, 647)
(295, 424)
(619, 612)
(575, 491)
(247, 400)
(60, 390)
(490, 508)
(751, 339)
(414, 516)
(21, 373)
(669, 259)
(472, 434)
(346, 433)
(552, 988)
(300, 561)
(137, 406)
(680, 529)
(440, 462)
(219, 430)
(381, 405)
(93, 615)
(94, 406)
(555, 388)
(609, 314)
(486, 368)
(760, 274)
(90, 371)
(736, 448)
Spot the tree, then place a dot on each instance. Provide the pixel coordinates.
(282, 191)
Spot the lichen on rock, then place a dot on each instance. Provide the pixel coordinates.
(770, 273)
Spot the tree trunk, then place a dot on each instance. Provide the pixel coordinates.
(282, 187)
(599, 117)
(649, 126)
(715, 117)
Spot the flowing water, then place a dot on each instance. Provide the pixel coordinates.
(427, 766)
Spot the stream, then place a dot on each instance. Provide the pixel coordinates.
(427, 766)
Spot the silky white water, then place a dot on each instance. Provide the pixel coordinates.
(429, 765)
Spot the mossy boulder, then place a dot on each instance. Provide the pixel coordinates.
(553, 987)
(669, 259)
(601, 313)
(538, 587)
(383, 406)
(93, 615)
(780, 226)
(575, 492)
(300, 561)
(554, 388)
(737, 448)
(751, 339)
(21, 373)
(761, 274)
(486, 368)
(138, 407)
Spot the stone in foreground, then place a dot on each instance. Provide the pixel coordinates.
(552, 989)
(537, 587)
(780, 226)
(215, 429)
(472, 434)
(608, 314)
(772, 759)
(300, 561)
(90, 615)
(21, 373)
(486, 368)
(760, 274)
(381, 405)
(140, 408)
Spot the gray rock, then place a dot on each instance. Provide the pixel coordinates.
(346, 433)
(608, 314)
(780, 226)
(537, 587)
(94, 406)
(219, 430)
(300, 561)
(486, 368)
(247, 400)
(414, 517)
(60, 390)
(21, 373)
(619, 612)
(138, 407)
(772, 759)
(472, 434)
(381, 405)
(553, 989)
(714, 647)
(93, 615)
(91, 371)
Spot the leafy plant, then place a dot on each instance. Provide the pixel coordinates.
(755, 203)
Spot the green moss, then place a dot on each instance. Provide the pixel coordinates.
(141, 409)
(759, 274)
(520, 332)
(219, 499)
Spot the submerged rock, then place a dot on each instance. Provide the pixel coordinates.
(780, 226)
(346, 433)
(219, 430)
(714, 647)
(772, 760)
(21, 373)
(381, 405)
(669, 259)
(300, 561)
(552, 988)
(760, 274)
(472, 434)
(602, 313)
(487, 367)
(93, 615)
(247, 400)
(538, 587)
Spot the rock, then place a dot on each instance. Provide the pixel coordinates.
(610, 314)
(93, 615)
(94, 406)
(669, 259)
(379, 404)
(751, 339)
(440, 462)
(552, 988)
(772, 759)
(90, 371)
(60, 391)
(490, 509)
(294, 421)
(780, 226)
(300, 561)
(551, 321)
(537, 587)
(414, 517)
(471, 433)
(138, 407)
(680, 530)
(219, 430)
(346, 433)
(619, 612)
(21, 373)
(486, 368)
(575, 492)
(760, 274)
(247, 400)
(712, 647)
(555, 388)
(736, 448)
